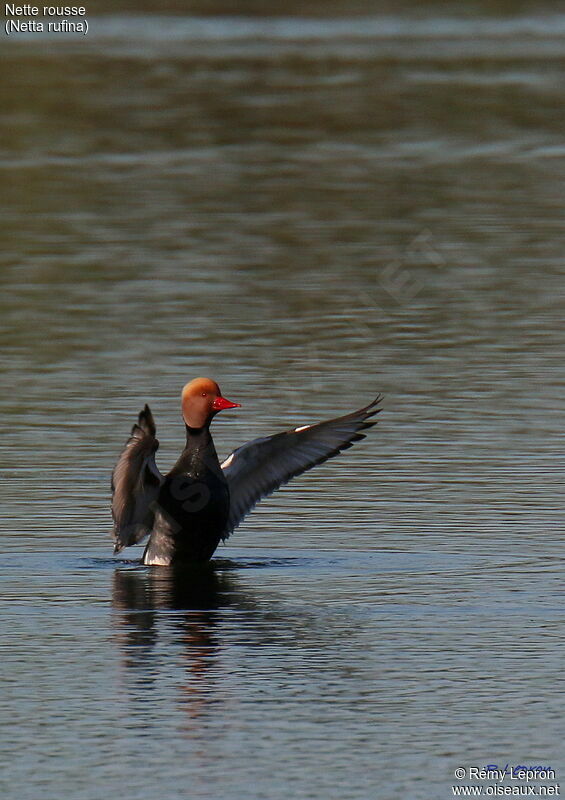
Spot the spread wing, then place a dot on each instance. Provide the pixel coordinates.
(259, 467)
(135, 484)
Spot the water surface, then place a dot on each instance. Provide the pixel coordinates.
(309, 210)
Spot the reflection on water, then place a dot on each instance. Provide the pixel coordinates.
(182, 589)
(142, 595)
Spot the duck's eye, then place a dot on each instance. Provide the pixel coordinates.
(204, 394)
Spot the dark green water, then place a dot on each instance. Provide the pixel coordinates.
(309, 211)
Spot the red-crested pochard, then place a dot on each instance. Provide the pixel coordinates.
(200, 502)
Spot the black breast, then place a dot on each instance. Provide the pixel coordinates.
(192, 506)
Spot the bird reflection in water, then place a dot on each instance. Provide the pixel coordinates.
(155, 602)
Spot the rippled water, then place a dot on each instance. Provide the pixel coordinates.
(309, 210)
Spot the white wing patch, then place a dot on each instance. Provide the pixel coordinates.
(303, 428)
(228, 461)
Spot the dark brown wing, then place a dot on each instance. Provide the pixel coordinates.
(259, 467)
(135, 484)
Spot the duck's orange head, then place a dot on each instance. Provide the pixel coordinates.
(201, 400)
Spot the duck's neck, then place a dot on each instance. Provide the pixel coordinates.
(199, 455)
(197, 438)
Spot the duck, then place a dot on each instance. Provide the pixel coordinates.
(200, 502)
